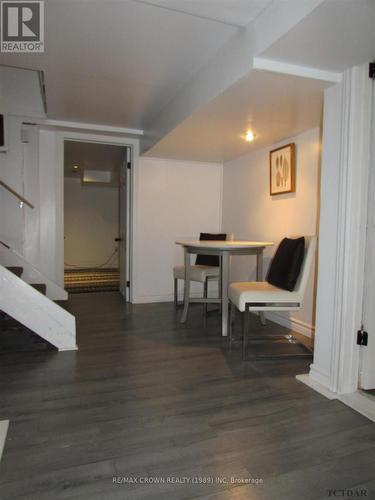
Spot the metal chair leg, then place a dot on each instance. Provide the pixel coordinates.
(220, 283)
(307, 353)
(205, 295)
(245, 327)
(186, 286)
(232, 311)
(176, 292)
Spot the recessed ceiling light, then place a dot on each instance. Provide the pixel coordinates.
(249, 137)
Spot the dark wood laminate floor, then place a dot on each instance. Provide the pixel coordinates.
(146, 398)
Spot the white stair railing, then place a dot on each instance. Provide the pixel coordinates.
(36, 311)
(21, 198)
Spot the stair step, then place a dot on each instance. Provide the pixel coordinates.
(41, 287)
(17, 270)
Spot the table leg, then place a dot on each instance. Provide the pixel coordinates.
(260, 265)
(220, 284)
(224, 293)
(186, 286)
(259, 278)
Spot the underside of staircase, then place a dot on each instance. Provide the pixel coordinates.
(29, 321)
(15, 337)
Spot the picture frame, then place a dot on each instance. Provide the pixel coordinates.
(282, 170)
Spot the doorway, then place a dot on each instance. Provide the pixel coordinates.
(96, 217)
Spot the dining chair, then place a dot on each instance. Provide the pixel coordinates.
(283, 290)
(205, 269)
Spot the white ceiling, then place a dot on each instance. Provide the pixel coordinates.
(121, 62)
(274, 106)
(118, 62)
(92, 156)
(337, 35)
(233, 12)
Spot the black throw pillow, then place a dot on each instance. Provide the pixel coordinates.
(209, 260)
(286, 263)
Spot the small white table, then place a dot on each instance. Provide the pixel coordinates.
(223, 249)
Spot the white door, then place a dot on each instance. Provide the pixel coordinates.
(122, 239)
(367, 370)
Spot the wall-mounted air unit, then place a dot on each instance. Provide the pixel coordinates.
(96, 177)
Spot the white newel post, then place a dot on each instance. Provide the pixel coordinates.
(342, 232)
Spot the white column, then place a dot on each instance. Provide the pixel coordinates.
(51, 182)
(345, 163)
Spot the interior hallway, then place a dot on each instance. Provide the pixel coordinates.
(148, 397)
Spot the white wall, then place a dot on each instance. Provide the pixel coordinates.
(91, 224)
(20, 168)
(11, 172)
(35, 170)
(32, 169)
(173, 199)
(251, 213)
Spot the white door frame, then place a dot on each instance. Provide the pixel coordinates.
(115, 140)
(367, 353)
(125, 233)
(345, 173)
(352, 223)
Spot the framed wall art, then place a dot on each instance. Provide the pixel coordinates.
(282, 170)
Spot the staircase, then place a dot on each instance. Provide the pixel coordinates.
(10, 258)
(28, 319)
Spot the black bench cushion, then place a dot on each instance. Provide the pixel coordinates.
(286, 263)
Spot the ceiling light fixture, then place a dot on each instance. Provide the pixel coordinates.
(249, 137)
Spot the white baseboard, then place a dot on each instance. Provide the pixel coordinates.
(360, 402)
(313, 384)
(4, 424)
(73, 348)
(149, 299)
(320, 376)
(292, 323)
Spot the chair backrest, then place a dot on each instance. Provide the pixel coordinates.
(308, 259)
(210, 260)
